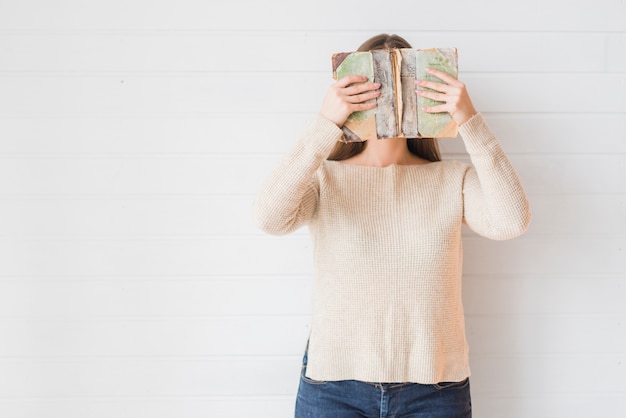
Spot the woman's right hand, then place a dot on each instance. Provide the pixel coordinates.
(349, 94)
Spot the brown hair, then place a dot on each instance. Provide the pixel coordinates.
(426, 148)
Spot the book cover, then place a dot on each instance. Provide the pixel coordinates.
(398, 112)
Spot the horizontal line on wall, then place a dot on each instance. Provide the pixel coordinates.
(207, 196)
(261, 114)
(300, 235)
(618, 357)
(186, 358)
(200, 318)
(551, 315)
(469, 235)
(130, 238)
(248, 74)
(154, 115)
(324, 32)
(156, 398)
(483, 395)
(202, 154)
(614, 356)
(211, 278)
(551, 396)
(199, 196)
(151, 279)
(242, 276)
(148, 154)
(161, 318)
(535, 277)
(213, 114)
(147, 196)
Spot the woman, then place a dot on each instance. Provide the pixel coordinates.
(387, 333)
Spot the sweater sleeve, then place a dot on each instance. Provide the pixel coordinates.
(289, 195)
(495, 203)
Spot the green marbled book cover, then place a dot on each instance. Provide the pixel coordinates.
(360, 126)
(435, 125)
(398, 113)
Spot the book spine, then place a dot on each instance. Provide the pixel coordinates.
(408, 97)
(396, 66)
(386, 113)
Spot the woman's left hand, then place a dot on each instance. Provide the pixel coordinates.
(452, 92)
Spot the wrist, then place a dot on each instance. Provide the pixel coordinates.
(337, 121)
(462, 116)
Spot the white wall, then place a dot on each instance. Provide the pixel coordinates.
(134, 135)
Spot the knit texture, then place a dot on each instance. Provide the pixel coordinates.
(387, 304)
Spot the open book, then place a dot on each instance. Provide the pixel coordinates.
(399, 110)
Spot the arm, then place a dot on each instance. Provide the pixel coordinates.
(288, 198)
(495, 204)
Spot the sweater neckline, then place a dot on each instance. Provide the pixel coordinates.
(342, 164)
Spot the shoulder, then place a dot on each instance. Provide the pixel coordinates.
(443, 174)
(451, 167)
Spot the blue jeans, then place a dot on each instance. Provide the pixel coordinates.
(356, 399)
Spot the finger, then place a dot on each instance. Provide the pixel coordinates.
(445, 77)
(361, 88)
(350, 79)
(439, 97)
(436, 109)
(364, 106)
(433, 85)
(359, 98)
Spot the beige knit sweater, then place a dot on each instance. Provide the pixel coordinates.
(387, 251)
